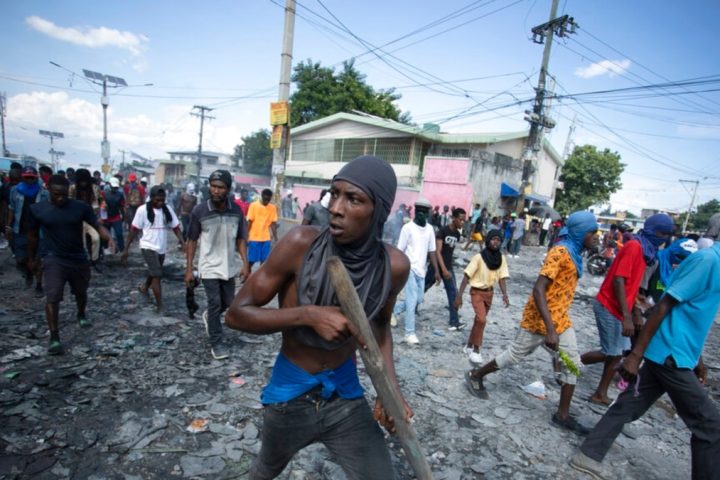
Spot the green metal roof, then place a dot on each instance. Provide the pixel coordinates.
(428, 134)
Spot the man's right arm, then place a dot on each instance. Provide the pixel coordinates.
(247, 313)
(540, 296)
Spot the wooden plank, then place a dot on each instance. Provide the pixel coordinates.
(389, 394)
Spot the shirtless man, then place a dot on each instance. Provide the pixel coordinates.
(314, 394)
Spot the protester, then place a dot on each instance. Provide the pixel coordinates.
(244, 201)
(134, 197)
(114, 208)
(220, 226)
(314, 394)
(45, 174)
(317, 213)
(616, 314)
(445, 241)
(65, 259)
(286, 205)
(153, 219)
(187, 203)
(518, 233)
(22, 197)
(85, 190)
(485, 269)
(546, 320)
(546, 224)
(477, 233)
(262, 223)
(507, 226)
(669, 347)
(13, 178)
(417, 241)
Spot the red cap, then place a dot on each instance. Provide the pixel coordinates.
(132, 177)
(29, 172)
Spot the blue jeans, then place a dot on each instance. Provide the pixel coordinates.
(450, 289)
(345, 427)
(515, 246)
(414, 290)
(117, 230)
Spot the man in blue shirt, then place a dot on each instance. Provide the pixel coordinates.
(671, 343)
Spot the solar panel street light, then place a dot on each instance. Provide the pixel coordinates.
(104, 80)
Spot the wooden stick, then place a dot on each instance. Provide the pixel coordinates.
(372, 357)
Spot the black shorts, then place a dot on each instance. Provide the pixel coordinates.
(154, 262)
(57, 271)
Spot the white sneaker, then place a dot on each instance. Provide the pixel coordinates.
(411, 339)
(467, 350)
(475, 358)
(393, 320)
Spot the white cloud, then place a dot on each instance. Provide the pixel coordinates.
(149, 134)
(93, 37)
(609, 67)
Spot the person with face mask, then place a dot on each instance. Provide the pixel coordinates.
(22, 197)
(616, 314)
(417, 241)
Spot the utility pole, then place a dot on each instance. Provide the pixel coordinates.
(123, 157)
(3, 114)
(202, 116)
(280, 151)
(692, 202)
(544, 33)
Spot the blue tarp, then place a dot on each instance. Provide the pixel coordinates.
(508, 191)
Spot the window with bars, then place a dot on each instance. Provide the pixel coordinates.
(394, 150)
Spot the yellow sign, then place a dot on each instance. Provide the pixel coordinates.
(105, 168)
(276, 138)
(279, 113)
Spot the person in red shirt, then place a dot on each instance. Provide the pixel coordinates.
(615, 315)
(244, 201)
(134, 197)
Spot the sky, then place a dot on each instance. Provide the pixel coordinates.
(470, 66)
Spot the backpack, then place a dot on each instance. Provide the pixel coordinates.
(134, 197)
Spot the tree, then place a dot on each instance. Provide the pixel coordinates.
(700, 218)
(589, 177)
(322, 92)
(255, 152)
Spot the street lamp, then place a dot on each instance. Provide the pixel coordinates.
(104, 80)
(54, 154)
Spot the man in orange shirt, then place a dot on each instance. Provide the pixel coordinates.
(546, 320)
(262, 221)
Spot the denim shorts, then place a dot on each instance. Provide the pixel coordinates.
(612, 342)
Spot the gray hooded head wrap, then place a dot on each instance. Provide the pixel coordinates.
(367, 262)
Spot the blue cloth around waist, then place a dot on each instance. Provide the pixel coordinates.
(288, 381)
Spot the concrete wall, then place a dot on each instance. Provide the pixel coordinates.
(445, 182)
(327, 170)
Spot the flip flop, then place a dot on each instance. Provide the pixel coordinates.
(475, 386)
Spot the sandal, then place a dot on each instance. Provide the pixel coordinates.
(475, 386)
(570, 424)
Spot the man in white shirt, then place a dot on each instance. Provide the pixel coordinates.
(417, 242)
(153, 219)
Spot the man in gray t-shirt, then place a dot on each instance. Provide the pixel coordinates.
(221, 229)
(317, 213)
(518, 232)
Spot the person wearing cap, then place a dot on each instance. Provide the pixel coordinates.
(153, 219)
(616, 314)
(134, 197)
(546, 320)
(314, 394)
(64, 257)
(669, 347)
(262, 222)
(417, 241)
(22, 196)
(220, 227)
(114, 208)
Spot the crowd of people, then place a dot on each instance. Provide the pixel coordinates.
(653, 311)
